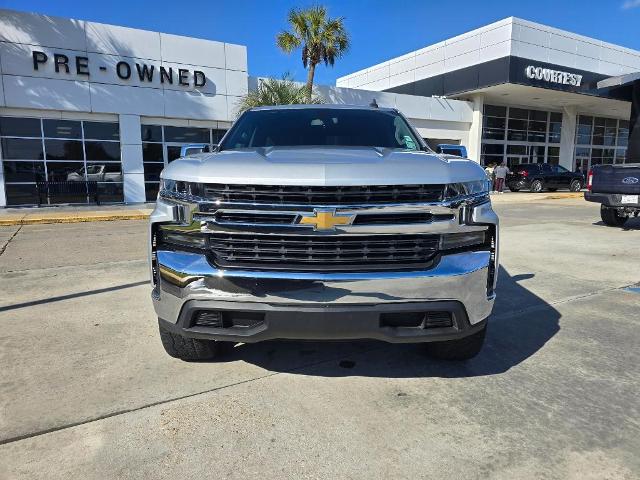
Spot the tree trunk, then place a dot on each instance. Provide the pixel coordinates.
(310, 74)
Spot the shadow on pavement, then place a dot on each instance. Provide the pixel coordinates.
(520, 325)
(631, 224)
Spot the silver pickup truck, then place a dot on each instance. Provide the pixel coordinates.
(323, 222)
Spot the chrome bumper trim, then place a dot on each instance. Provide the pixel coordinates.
(189, 276)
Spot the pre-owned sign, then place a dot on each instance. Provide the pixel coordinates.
(124, 69)
(553, 76)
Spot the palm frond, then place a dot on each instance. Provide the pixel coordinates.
(273, 91)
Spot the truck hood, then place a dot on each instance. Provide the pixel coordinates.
(323, 166)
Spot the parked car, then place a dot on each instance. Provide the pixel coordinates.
(451, 149)
(540, 176)
(617, 189)
(323, 222)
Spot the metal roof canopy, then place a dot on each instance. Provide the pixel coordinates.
(619, 81)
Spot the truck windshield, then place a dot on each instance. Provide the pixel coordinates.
(321, 127)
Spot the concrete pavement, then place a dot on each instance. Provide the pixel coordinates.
(87, 390)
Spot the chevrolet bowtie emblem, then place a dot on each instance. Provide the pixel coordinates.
(325, 219)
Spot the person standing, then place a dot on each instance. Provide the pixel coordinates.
(501, 172)
(489, 173)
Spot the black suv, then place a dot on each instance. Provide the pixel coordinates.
(538, 176)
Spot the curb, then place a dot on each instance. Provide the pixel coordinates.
(564, 195)
(26, 220)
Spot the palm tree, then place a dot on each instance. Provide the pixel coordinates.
(273, 91)
(322, 39)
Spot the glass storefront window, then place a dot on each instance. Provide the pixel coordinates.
(525, 133)
(21, 149)
(495, 111)
(24, 171)
(62, 129)
(101, 131)
(151, 133)
(162, 144)
(64, 149)
(109, 151)
(63, 158)
(187, 135)
(600, 140)
(20, 127)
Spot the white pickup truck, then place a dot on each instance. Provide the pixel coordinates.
(323, 222)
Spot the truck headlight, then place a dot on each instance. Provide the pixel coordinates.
(465, 189)
(178, 188)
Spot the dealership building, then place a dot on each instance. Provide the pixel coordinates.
(82, 101)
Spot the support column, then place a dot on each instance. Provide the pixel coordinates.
(3, 197)
(131, 151)
(633, 150)
(474, 144)
(568, 137)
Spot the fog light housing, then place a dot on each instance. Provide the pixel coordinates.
(452, 241)
(182, 238)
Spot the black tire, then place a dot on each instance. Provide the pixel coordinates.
(514, 189)
(536, 186)
(610, 217)
(552, 189)
(462, 349)
(189, 349)
(576, 186)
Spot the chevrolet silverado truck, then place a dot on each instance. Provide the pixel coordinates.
(323, 222)
(617, 189)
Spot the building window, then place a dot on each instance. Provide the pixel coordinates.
(600, 141)
(52, 150)
(161, 145)
(518, 135)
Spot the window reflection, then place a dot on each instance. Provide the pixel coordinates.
(102, 150)
(21, 149)
(64, 150)
(62, 129)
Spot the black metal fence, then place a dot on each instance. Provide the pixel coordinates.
(67, 192)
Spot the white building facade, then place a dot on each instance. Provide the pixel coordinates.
(533, 89)
(83, 100)
(110, 106)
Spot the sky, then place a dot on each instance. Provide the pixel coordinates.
(379, 29)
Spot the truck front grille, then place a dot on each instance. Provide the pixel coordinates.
(322, 253)
(321, 195)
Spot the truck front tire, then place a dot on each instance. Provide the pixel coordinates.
(462, 349)
(189, 349)
(611, 217)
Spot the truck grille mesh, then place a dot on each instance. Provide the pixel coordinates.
(323, 253)
(320, 195)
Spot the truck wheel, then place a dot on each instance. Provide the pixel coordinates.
(462, 349)
(610, 217)
(514, 189)
(575, 186)
(536, 186)
(189, 349)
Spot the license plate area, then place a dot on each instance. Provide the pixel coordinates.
(629, 199)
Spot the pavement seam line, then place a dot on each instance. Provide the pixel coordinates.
(4, 247)
(561, 301)
(39, 433)
(75, 265)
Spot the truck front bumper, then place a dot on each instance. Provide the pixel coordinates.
(251, 306)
